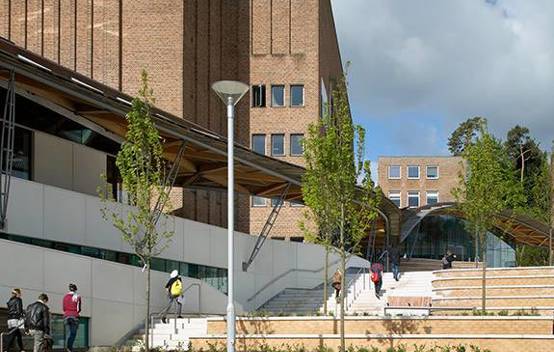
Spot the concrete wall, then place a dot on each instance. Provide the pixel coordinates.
(48, 212)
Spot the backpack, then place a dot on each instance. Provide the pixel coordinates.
(374, 277)
(176, 288)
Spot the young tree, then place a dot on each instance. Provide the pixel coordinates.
(465, 135)
(486, 187)
(334, 151)
(142, 169)
(524, 151)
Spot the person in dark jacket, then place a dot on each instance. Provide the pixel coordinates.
(394, 257)
(37, 321)
(15, 315)
(447, 260)
(174, 295)
(377, 277)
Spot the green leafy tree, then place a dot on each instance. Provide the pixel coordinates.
(342, 211)
(465, 135)
(525, 152)
(142, 169)
(486, 187)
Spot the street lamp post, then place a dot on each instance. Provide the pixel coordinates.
(230, 93)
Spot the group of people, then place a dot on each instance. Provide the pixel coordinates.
(35, 320)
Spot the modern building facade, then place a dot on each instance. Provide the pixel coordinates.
(286, 50)
(418, 181)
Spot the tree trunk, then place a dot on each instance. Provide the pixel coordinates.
(326, 281)
(343, 280)
(550, 254)
(477, 239)
(147, 320)
(484, 278)
(522, 163)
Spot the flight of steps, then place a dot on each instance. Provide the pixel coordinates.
(411, 284)
(176, 333)
(507, 289)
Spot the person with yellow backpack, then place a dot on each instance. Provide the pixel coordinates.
(174, 289)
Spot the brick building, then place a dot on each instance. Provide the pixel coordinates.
(286, 50)
(419, 180)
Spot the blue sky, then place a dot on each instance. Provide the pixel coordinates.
(420, 67)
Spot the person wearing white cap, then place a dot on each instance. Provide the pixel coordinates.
(174, 289)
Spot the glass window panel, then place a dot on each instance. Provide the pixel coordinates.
(432, 172)
(275, 201)
(413, 171)
(171, 265)
(258, 143)
(158, 264)
(277, 144)
(394, 171)
(296, 146)
(432, 197)
(278, 95)
(297, 95)
(259, 201)
(258, 96)
(184, 269)
(413, 199)
(394, 196)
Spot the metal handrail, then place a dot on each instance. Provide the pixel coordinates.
(270, 283)
(350, 298)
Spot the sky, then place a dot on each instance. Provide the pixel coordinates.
(420, 67)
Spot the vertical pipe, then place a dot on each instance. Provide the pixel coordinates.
(230, 226)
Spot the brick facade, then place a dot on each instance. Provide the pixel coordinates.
(185, 46)
(449, 169)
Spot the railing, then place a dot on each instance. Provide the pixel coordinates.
(357, 287)
(279, 277)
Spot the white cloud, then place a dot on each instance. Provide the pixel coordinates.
(456, 58)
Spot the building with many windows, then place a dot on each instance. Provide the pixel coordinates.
(286, 50)
(412, 182)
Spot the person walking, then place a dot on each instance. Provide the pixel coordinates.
(394, 257)
(15, 320)
(377, 277)
(174, 289)
(337, 283)
(447, 260)
(37, 321)
(71, 310)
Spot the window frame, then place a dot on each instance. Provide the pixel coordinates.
(284, 142)
(301, 145)
(427, 172)
(399, 172)
(263, 102)
(408, 172)
(418, 199)
(284, 96)
(253, 203)
(291, 96)
(294, 204)
(399, 197)
(252, 142)
(427, 196)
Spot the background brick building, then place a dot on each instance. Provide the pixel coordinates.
(419, 180)
(187, 45)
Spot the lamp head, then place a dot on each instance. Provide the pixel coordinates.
(230, 91)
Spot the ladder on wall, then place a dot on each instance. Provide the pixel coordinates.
(7, 136)
(266, 229)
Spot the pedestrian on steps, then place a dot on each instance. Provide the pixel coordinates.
(15, 320)
(71, 310)
(174, 289)
(337, 283)
(394, 256)
(377, 277)
(447, 260)
(37, 322)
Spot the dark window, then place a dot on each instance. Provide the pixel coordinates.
(297, 239)
(258, 96)
(278, 144)
(275, 201)
(258, 143)
(413, 171)
(413, 199)
(297, 95)
(22, 153)
(278, 95)
(296, 146)
(432, 172)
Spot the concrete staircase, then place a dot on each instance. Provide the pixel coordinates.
(176, 333)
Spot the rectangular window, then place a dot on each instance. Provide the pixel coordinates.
(394, 196)
(258, 96)
(297, 95)
(394, 172)
(258, 201)
(296, 146)
(432, 172)
(297, 239)
(278, 95)
(278, 144)
(432, 197)
(258, 143)
(413, 172)
(413, 199)
(275, 201)
(22, 149)
(297, 204)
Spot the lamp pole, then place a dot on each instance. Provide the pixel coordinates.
(230, 93)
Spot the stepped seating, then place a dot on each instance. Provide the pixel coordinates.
(508, 289)
(494, 333)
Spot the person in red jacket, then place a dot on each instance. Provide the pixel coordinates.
(71, 311)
